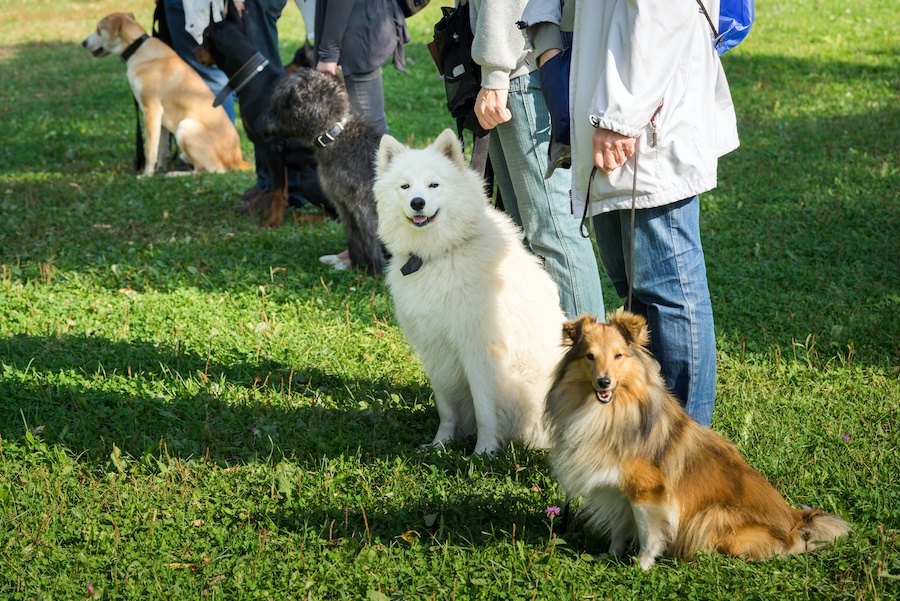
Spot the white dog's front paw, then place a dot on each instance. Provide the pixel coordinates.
(489, 448)
(646, 561)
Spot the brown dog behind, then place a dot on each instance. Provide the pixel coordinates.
(171, 95)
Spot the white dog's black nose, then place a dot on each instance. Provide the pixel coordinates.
(417, 203)
(603, 383)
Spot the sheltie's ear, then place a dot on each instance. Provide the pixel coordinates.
(574, 331)
(633, 327)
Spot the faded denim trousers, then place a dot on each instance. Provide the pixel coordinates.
(518, 151)
(670, 290)
(185, 44)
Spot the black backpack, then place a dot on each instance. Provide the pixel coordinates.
(452, 53)
(451, 50)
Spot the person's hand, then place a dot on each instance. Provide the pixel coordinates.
(547, 55)
(490, 108)
(239, 5)
(612, 149)
(329, 68)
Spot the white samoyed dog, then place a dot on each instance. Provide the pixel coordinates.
(477, 306)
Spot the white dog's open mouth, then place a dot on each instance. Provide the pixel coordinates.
(604, 396)
(98, 52)
(423, 220)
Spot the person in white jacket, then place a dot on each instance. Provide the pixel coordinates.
(647, 89)
(511, 106)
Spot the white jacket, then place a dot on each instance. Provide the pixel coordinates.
(639, 65)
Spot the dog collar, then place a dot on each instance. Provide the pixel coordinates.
(412, 265)
(253, 67)
(329, 136)
(133, 47)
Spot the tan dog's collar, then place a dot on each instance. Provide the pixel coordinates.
(133, 47)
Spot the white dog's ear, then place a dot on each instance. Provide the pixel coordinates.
(448, 145)
(387, 152)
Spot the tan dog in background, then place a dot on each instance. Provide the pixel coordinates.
(171, 95)
(648, 473)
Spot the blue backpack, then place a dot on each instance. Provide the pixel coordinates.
(735, 19)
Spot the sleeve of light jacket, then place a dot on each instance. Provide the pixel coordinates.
(646, 45)
(542, 18)
(498, 44)
(337, 16)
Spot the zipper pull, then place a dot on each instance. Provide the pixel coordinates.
(653, 123)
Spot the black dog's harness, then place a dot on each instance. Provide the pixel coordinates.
(253, 67)
(133, 47)
(329, 136)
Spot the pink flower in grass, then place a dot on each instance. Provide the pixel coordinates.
(846, 437)
(552, 511)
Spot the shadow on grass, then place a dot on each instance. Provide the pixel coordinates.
(147, 396)
(799, 236)
(461, 520)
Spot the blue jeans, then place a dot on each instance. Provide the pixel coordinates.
(670, 290)
(518, 151)
(367, 97)
(184, 45)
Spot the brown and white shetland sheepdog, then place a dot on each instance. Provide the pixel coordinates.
(647, 472)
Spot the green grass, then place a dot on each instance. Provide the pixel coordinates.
(191, 406)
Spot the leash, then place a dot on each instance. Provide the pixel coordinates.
(139, 159)
(586, 233)
(634, 160)
(564, 525)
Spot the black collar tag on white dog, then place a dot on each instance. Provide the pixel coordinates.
(133, 47)
(412, 265)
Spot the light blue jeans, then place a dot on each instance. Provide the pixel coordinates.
(518, 151)
(184, 45)
(671, 291)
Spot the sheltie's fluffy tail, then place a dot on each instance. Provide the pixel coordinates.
(817, 530)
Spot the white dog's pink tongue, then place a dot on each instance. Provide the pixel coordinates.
(419, 219)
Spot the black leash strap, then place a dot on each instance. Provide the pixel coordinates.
(140, 159)
(709, 20)
(586, 232)
(634, 160)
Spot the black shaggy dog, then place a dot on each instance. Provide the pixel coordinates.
(253, 78)
(314, 108)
